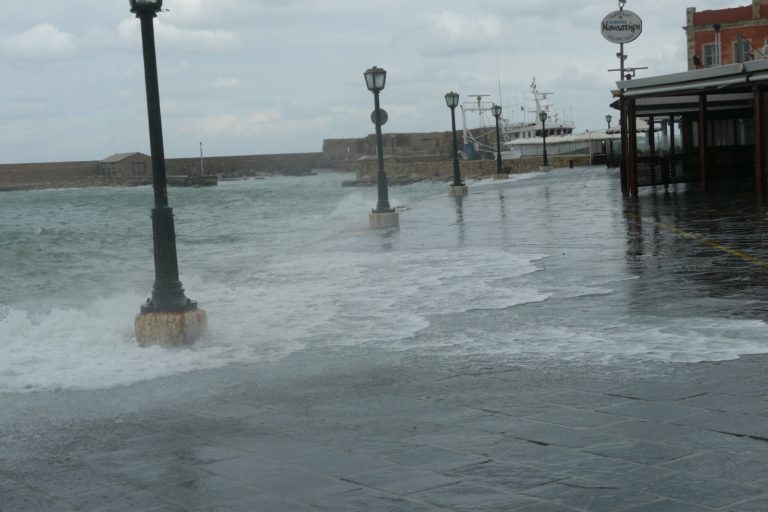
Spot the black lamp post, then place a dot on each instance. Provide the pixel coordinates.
(496, 111)
(543, 117)
(167, 292)
(375, 78)
(452, 100)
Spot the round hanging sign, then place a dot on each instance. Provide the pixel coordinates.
(382, 114)
(621, 27)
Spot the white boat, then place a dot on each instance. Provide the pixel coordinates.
(480, 142)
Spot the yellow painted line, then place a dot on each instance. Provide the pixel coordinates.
(704, 241)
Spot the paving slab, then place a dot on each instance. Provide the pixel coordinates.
(739, 424)
(756, 505)
(401, 480)
(729, 403)
(590, 495)
(702, 491)
(546, 433)
(741, 468)
(642, 452)
(508, 476)
(652, 411)
(470, 497)
(667, 506)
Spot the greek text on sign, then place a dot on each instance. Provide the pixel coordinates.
(621, 27)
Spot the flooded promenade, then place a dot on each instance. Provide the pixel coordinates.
(540, 345)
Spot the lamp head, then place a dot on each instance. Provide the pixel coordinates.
(452, 99)
(145, 6)
(375, 78)
(608, 118)
(496, 111)
(543, 115)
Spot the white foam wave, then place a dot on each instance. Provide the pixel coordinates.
(684, 340)
(321, 300)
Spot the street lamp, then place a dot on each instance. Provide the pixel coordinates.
(543, 117)
(608, 119)
(383, 215)
(168, 317)
(496, 111)
(457, 188)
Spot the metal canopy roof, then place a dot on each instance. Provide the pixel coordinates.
(710, 80)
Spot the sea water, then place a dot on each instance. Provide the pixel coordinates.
(287, 264)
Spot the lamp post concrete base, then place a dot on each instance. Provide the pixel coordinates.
(500, 176)
(458, 190)
(170, 329)
(545, 168)
(383, 220)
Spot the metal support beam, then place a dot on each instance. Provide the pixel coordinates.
(758, 141)
(623, 157)
(703, 163)
(632, 147)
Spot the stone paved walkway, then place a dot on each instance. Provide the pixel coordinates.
(371, 430)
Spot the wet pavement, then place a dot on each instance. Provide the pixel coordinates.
(380, 430)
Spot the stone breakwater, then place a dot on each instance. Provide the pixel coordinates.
(403, 172)
(30, 176)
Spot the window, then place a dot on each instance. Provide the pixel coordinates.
(138, 168)
(745, 132)
(711, 55)
(742, 50)
(721, 132)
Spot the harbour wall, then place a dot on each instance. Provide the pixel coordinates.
(409, 157)
(48, 175)
(249, 165)
(28, 176)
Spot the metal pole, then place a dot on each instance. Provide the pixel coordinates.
(383, 204)
(544, 134)
(610, 146)
(167, 292)
(202, 169)
(456, 171)
(498, 147)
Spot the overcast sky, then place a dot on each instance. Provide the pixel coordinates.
(279, 76)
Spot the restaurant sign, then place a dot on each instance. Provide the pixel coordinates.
(621, 27)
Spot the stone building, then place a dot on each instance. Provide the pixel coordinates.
(126, 166)
(727, 36)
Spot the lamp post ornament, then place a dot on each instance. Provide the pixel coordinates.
(496, 111)
(452, 100)
(384, 215)
(543, 118)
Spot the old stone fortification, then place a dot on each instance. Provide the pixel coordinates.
(48, 175)
(408, 145)
(250, 165)
(402, 172)
(409, 157)
(86, 173)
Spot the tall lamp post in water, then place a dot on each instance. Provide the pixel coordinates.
(496, 111)
(543, 118)
(168, 317)
(457, 188)
(383, 216)
(608, 119)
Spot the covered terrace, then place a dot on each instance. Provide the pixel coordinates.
(707, 126)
